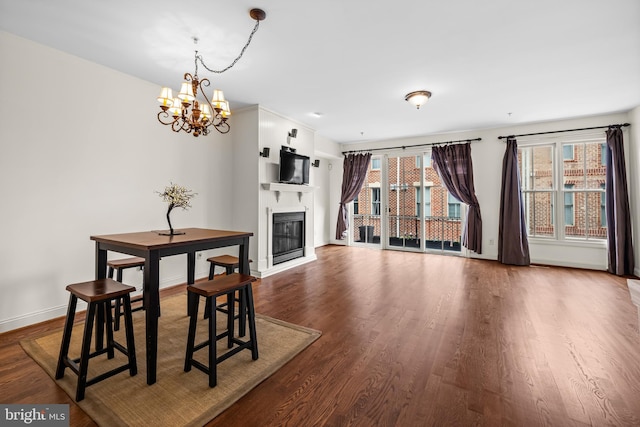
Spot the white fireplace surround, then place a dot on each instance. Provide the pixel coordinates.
(308, 250)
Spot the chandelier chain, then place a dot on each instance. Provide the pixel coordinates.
(199, 57)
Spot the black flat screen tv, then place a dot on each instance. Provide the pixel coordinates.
(294, 168)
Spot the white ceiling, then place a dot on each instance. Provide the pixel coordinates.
(488, 64)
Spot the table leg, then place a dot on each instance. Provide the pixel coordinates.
(152, 303)
(191, 279)
(243, 256)
(101, 273)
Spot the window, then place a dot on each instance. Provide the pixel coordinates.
(427, 201)
(375, 201)
(603, 155)
(567, 152)
(454, 206)
(375, 163)
(569, 218)
(575, 186)
(536, 177)
(355, 206)
(603, 209)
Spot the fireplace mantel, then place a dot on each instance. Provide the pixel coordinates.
(278, 187)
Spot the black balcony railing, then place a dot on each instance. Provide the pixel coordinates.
(441, 233)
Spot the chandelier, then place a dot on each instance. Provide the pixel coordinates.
(185, 112)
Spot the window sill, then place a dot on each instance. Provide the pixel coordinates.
(569, 243)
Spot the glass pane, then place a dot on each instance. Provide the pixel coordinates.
(567, 152)
(587, 217)
(596, 218)
(404, 197)
(539, 213)
(586, 170)
(536, 167)
(596, 170)
(365, 227)
(603, 204)
(575, 223)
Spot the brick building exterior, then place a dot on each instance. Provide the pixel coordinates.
(441, 213)
(581, 186)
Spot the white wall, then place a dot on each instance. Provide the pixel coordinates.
(328, 152)
(487, 158)
(82, 153)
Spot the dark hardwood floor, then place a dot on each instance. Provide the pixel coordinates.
(424, 340)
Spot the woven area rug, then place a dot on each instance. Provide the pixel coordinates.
(178, 398)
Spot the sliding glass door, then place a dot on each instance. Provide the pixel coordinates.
(404, 223)
(403, 206)
(421, 213)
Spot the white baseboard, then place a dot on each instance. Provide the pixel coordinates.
(634, 291)
(33, 318)
(556, 263)
(60, 311)
(284, 266)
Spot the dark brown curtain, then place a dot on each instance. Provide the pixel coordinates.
(355, 168)
(513, 245)
(619, 239)
(453, 165)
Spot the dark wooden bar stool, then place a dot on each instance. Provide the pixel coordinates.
(96, 293)
(227, 285)
(120, 265)
(230, 263)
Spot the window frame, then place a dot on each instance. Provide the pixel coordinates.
(376, 202)
(455, 203)
(559, 191)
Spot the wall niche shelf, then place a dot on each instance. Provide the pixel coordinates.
(277, 188)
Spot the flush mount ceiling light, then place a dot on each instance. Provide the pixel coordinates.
(186, 112)
(418, 98)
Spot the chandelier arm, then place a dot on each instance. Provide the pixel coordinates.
(165, 115)
(181, 124)
(199, 57)
(207, 83)
(223, 127)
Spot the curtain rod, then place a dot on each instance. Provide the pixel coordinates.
(411, 146)
(566, 130)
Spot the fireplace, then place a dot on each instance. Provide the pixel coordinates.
(288, 236)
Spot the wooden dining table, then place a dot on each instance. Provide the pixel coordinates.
(152, 245)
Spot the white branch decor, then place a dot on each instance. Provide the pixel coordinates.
(176, 196)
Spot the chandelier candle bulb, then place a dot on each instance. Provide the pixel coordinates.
(206, 113)
(218, 100)
(176, 109)
(186, 92)
(166, 98)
